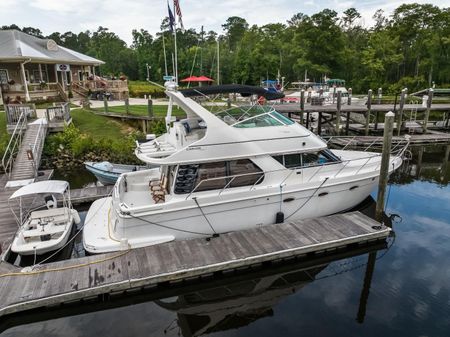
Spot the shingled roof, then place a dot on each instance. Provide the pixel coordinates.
(18, 46)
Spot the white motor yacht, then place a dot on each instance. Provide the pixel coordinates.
(43, 226)
(220, 172)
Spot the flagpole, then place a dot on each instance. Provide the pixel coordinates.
(176, 51)
(165, 56)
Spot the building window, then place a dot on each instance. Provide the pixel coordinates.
(4, 76)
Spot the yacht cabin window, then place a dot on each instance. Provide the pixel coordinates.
(295, 160)
(217, 175)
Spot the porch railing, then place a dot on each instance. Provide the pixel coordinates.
(99, 84)
(15, 111)
(58, 112)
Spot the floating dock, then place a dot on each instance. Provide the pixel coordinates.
(116, 273)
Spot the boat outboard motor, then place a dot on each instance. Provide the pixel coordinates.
(50, 201)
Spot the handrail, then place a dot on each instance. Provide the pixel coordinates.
(14, 143)
(38, 142)
(62, 92)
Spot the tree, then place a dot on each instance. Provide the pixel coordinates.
(235, 27)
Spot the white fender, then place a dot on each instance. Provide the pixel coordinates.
(76, 217)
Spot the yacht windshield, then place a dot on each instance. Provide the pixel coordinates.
(253, 116)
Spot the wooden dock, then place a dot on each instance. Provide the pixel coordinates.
(332, 108)
(89, 194)
(115, 273)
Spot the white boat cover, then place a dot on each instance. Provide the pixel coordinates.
(41, 187)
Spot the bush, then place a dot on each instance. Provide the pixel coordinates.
(140, 89)
(81, 147)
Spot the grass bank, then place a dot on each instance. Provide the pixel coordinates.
(4, 136)
(92, 137)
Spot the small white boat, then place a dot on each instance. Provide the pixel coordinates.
(108, 173)
(43, 226)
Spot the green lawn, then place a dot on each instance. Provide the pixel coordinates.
(98, 126)
(141, 110)
(45, 105)
(4, 136)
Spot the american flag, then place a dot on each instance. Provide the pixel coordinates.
(176, 5)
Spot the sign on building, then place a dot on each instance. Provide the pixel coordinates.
(63, 67)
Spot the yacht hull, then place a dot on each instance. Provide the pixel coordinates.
(104, 233)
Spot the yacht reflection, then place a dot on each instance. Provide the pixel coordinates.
(427, 164)
(239, 304)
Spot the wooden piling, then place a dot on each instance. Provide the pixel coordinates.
(369, 107)
(347, 123)
(349, 98)
(302, 105)
(380, 95)
(384, 169)
(319, 124)
(338, 112)
(127, 105)
(334, 94)
(400, 112)
(427, 112)
(370, 267)
(150, 108)
(105, 104)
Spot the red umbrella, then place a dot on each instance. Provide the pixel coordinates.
(204, 79)
(197, 79)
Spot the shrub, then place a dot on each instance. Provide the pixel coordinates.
(140, 89)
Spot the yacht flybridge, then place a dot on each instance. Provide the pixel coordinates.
(218, 172)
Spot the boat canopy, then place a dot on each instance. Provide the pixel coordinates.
(42, 187)
(244, 90)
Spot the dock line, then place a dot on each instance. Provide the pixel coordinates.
(66, 268)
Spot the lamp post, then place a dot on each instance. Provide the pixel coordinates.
(148, 71)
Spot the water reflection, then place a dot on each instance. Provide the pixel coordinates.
(427, 164)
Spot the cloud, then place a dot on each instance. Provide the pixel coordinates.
(122, 17)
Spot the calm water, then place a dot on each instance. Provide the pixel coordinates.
(405, 293)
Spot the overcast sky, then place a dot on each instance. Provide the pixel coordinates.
(121, 16)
